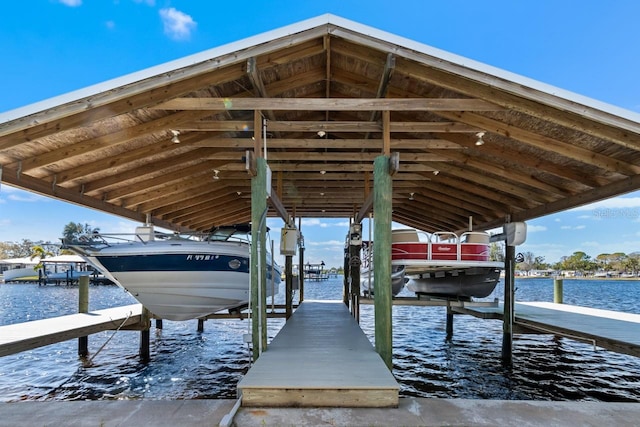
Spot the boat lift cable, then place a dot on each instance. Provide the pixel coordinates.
(109, 339)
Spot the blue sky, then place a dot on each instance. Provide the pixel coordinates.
(51, 47)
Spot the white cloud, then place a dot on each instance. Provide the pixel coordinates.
(573, 227)
(177, 25)
(26, 197)
(326, 243)
(147, 2)
(613, 203)
(71, 3)
(535, 228)
(311, 222)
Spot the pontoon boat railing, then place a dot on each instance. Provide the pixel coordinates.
(445, 246)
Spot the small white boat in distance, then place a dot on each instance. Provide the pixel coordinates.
(179, 278)
(444, 264)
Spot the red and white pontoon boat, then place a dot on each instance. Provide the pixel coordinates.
(444, 264)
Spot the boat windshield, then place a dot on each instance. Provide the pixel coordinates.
(232, 232)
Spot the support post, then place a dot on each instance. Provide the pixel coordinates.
(83, 307)
(346, 276)
(558, 296)
(355, 245)
(507, 325)
(200, 325)
(145, 335)
(259, 258)
(382, 189)
(158, 323)
(301, 263)
(288, 278)
(449, 326)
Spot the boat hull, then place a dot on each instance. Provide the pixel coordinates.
(20, 274)
(182, 280)
(476, 282)
(398, 281)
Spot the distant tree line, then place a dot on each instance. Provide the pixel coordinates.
(28, 248)
(578, 261)
(584, 264)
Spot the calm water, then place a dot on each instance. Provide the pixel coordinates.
(186, 364)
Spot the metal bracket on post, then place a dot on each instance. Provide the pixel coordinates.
(394, 163)
(250, 163)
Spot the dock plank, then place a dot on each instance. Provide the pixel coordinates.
(320, 357)
(615, 331)
(38, 333)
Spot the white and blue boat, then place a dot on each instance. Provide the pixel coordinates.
(177, 277)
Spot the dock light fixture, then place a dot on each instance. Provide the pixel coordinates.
(323, 172)
(436, 172)
(215, 174)
(411, 196)
(480, 141)
(321, 133)
(175, 138)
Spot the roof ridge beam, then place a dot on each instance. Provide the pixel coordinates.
(331, 104)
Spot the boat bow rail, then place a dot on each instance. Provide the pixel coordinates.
(95, 242)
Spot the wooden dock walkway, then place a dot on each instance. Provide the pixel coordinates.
(612, 330)
(320, 357)
(38, 333)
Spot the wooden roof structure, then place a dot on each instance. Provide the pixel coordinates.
(325, 96)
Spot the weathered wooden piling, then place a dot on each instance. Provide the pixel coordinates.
(382, 190)
(83, 307)
(346, 277)
(507, 324)
(288, 280)
(558, 296)
(258, 257)
(301, 264)
(145, 335)
(355, 246)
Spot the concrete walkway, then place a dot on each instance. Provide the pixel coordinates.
(411, 412)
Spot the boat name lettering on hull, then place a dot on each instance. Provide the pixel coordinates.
(202, 257)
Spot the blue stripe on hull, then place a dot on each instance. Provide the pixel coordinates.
(178, 262)
(173, 262)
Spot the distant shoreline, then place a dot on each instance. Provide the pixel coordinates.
(578, 278)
